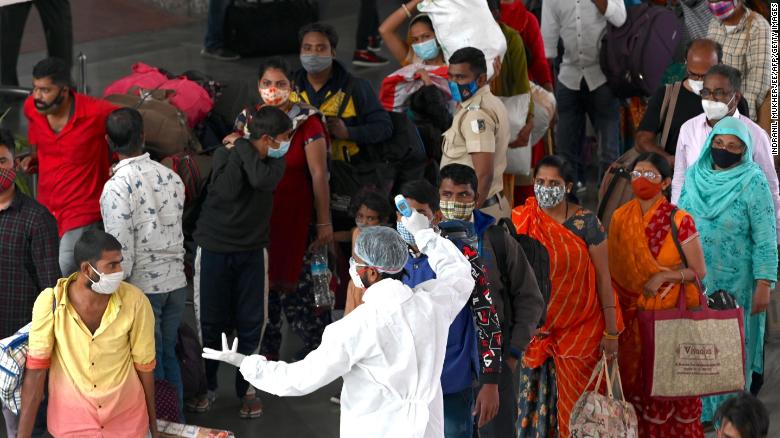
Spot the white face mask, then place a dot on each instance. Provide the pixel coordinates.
(353, 274)
(715, 110)
(696, 86)
(108, 283)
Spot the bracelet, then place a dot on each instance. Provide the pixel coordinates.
(408, 14)
(608, 307)
(611, 337)
(324, 225)
(682, 277)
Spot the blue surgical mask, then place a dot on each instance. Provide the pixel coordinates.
(426, 50)
(461, 92)
(280, 151)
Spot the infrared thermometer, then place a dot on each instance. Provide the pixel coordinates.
(403, 206)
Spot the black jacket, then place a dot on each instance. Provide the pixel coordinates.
(236, 214)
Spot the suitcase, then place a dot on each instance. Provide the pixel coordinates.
(262, 28)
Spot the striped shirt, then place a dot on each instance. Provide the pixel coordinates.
(746, 47)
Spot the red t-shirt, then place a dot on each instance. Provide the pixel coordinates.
(516, 16)
(72, 164)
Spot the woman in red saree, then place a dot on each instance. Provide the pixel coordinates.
(582, 318)
(648, 273)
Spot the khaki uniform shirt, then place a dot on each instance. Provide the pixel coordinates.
(480, 125)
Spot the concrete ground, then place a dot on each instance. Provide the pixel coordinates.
(114, 34)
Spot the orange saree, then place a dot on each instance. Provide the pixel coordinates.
(641, 245)
(575, 324)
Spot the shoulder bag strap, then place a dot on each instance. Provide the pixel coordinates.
(676, 239)
(670, 112)
(495, 235)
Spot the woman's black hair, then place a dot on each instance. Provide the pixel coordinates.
(422, 18)
(565, 170)
(748, 415)
(374, 201)
(657, 161)
(275, 63)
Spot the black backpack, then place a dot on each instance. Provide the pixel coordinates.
(193, 369)
(534, 251)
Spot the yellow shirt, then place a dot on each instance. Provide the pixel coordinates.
(480, 125)
(94, 389)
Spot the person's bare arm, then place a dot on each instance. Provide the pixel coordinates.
(317, 159)
(645, 142)
(483, 166)
(32, 394)
(147, 381)
(599, 254)
(397, 46)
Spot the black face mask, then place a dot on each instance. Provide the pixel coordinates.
(724, 159)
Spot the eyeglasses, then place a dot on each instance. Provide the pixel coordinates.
(695, 77)
(649, 174)
(706, 93)
(353, 262)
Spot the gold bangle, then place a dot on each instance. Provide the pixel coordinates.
(682, 277)
(610, 336)
(408, 14)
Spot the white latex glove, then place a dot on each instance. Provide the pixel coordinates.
(416, 222)
(229, 355)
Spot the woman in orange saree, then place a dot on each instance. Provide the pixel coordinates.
(582, 318)
(648, 273)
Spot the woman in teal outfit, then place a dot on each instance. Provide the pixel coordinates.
(729, 198)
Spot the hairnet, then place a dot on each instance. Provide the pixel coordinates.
(382, 248)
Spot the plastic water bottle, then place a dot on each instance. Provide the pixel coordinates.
(320, 278)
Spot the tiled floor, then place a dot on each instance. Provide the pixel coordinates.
(114, 34)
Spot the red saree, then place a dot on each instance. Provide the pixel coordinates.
(640, 245)
(575, 324)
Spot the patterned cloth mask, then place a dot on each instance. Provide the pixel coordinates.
(457, 210)
(405, 234)
(274, 96)
(549, 197)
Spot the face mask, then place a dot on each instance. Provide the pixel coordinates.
(353, 274)
(724, 159)
(723, 10)
(454, 210)
(46, 108)
(361, 225)
(7, 177)
(549, 197)
(108, 283)
(274, 96)
(696, 86)
(405, 234)
(426, 50)
(316, 64)
(280, 151)
(715, 110)
(462, 92)
(645, 189)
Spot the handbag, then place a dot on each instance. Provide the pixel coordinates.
(600, 416)
(692, 353)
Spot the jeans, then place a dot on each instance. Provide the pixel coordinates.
(168, 309)
(368, 23)
(503, 424)
(67, 242)
(232, 297)
(215, 24)
(57, 26)
(458, 421)
(603, 108)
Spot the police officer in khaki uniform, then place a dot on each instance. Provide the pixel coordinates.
(479, 135)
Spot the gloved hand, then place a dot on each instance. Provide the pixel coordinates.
(229, 355)
(416, 222)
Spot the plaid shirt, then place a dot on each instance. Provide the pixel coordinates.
(747, 48)
(28, 260)
(697, 17)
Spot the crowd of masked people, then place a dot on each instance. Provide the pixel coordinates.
(96, 261)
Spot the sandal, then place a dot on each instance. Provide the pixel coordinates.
(199, 404)
(251, 407)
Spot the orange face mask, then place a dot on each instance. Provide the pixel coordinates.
(645, 189)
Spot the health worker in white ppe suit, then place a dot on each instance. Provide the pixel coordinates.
(390, 350)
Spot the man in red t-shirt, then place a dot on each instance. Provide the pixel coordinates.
(69, 153)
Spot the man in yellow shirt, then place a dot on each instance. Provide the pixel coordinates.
(94, 334)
